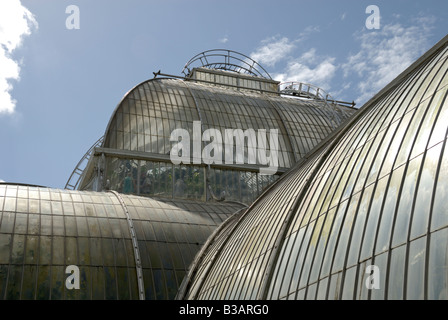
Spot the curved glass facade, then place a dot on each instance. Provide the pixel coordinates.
(125, 246)
(138, 218)
(150, 112)
(138, 140)
(364, 217)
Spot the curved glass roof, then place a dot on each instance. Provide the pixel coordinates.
(253, 132)
(138, 138)
(126, 247)
(149, 113)
(364, 217)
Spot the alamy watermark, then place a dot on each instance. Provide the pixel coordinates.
(188, 151)
(72, 281)
(373, 280)
(73, 20)
(373, 21)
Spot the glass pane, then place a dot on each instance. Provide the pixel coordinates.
(7, 222)
(58, 277)
(396, 273)
(32, 249)
(334, 292)
(401, 228)
(58, 225)
(97, 282)
(123, 283)
(438, 266)
(84, 251)
(96, 255)
(70, 226)
(43, 279)
(21, 223)
(425, 192)
(349, 284)
(15, 280)
(372, 220)
(33, 224)
(81, 226)
(378, 277)
(440, 209)
(29, 282)
(322, 289)
(416, 270)
(94, 228)
(71, 254)
(5, 248)
(341, 251)
(108, 252)
(18, 246)
(58, 251)
(362, 292)
(45, 250)
(388, 212)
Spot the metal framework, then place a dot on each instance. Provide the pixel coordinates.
(309, 91)
(228, 60)
(77, 173)
(125, 246)
(373, 194)
(246, 68)
(138, 263)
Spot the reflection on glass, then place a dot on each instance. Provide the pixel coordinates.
(437, 266)
(416, 269)
(440, 209)
(388, 212)
(405, 205)
(396, 273)
(425, 190)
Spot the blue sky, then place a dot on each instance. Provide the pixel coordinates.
(59, 86)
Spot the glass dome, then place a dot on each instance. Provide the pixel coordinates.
(138, 137)
(125, 246)
(364, 216)
(137, 218)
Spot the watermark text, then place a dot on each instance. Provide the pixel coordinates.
(373, 21)
(73, 20)
(232, 143)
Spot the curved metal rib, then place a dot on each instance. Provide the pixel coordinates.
(138, 264)
(309, 91)
(78, 172)
(226, 60)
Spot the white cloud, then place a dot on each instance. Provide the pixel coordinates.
(224, 39)
(272, 51)
(308, 31)
(310, 68)
(384, 54)
(16, 21)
